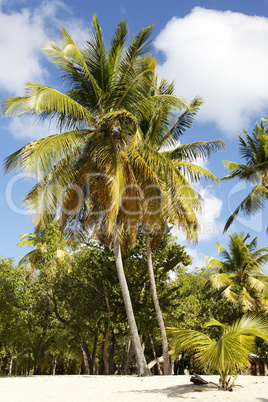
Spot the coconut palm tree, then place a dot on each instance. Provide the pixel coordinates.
(240, 278)
(146, 198)
(163, 177)
(230, 353)
(88, 159)
(254, 152)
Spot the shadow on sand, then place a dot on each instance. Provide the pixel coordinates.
(178, 391)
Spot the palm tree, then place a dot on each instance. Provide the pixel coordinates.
(149, 168)
(49, 248)
(89, 160)
(162, 177)
(254, 151)
(230, 353)
(240, 278)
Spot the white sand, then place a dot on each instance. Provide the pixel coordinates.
(126, 388)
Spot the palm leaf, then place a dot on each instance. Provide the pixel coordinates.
(230, 352)
(44, 101)
(251, 204)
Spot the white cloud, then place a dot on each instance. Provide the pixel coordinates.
(22, 34)
(30, 129)
(198, 258)
(222, 57)
(208, 219)
(58, 14)
(21, 37)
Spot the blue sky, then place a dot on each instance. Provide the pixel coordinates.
(215, 49)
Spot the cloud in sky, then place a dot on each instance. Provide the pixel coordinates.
(22, 34)
(210, 226)
(31, 129)
(198, 258)
(222, 57)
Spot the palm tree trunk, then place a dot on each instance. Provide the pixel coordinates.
(143, 369)
(166, 361)
(93, 369)
(85, 353)
(10, 364)
(54, 364)
(106, 338)
(159, 371)
(111, 354)
(129, 357)
(104, 350)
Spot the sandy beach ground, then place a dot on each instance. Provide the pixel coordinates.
(126, 388)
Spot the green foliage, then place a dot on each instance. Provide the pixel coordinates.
(49, 250)
(86, 298)
(192, 305)
(240, 279)
(232, 349)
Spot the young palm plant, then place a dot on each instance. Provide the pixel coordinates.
(230, 352)
(240, 278)
(254, 151)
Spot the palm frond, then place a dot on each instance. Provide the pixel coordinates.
(196, 150)
(44, 101)
(195, 171)
(69, 58)
(253, 203)
(220, 281)
(259, 285)
(230, 352)
(41, 155)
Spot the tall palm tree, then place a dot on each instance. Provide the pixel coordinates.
(228, 354)
(240, 278)
(163, 177)
(254, 152)
(89, 160)
(157, 183)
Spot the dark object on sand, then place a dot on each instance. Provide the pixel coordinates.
(197, 380)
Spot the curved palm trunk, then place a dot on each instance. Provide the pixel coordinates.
(166, 361)
(143, 369)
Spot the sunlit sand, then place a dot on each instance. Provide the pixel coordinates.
(126, 388)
